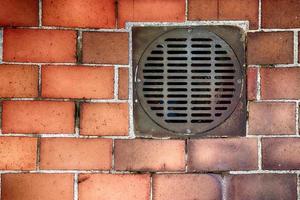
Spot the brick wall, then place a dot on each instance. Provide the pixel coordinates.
(66, 117)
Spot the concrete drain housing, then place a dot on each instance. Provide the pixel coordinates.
(189, 81)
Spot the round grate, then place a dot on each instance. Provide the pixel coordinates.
(188, 80)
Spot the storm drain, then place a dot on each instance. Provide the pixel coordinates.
(188, 81)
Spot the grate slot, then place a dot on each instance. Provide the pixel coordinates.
(202, 39)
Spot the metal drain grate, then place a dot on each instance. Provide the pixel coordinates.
(189, 80)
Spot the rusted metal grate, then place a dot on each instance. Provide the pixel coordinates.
(189, 80)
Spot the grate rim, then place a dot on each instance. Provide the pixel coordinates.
(194, 67)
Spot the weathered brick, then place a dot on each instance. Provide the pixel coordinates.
(272, 118)
(222, 154)
(281, 153)
(19, 81)
(19, 13)
(33, 45)
(150, 155)
(280, 14)
(77, 13)
(38, 117)
(203, 9)
(280, 83)
(114, 186)
(150, 10)
(239, 10)
(74, 153)
(105, 47)
(37, 186)
(18, 153)
(252, 83)
(186, 187)
(123, 83)
(224, 10)
(77, 82)
(270, 48)
(261, 186)
(104, 119)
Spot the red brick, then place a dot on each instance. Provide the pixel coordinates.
(281, 153)
(272, 118)
(222, 154)
(186, 187)
(104, 119)
(74, 153)
(18, 153)
(77, 82)
(239, 10)
(78, 13)
(270, 48)
(123, 83)
(105, 47)
(19, 13)
(150, 10)
(37, 186)
(280, 83)
(203, 9)
(252, 83)
(261, 186)
(32, 45)
(224, 10)
(19, 81)
(280, 14)
(38, 117)
(114, 186)
(150, 155)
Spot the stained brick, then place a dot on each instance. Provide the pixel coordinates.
(150, 10)
(32, 45)
(222, 154)
(281, 153)
(77, 82)
(104, 119)
(74, 153)
(38, 117)
(18, 81)
(77, 13)
(261, 186)
(280, 14)
(123, 83)
(252, 83)
(114, 186)
(105, 47)
(272, 118)
(19, 13)
(280, 83)
(270, 48)
(186, 187)
(18, 153)
(149, 155)
(37, 186)
(224, 10)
